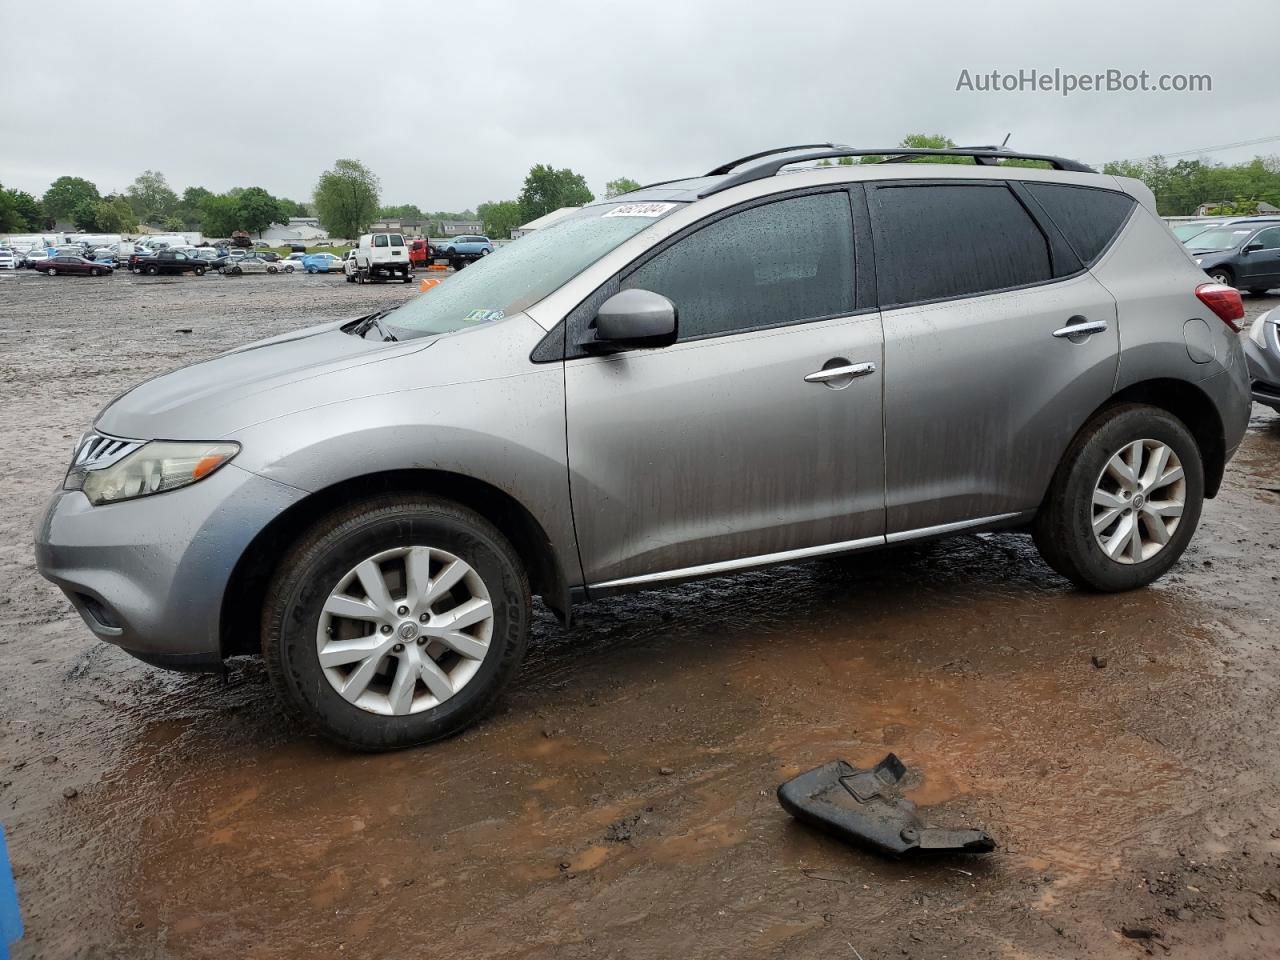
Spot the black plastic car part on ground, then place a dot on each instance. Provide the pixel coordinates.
(867, 807)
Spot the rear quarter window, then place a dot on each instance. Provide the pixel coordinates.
(1089, 218)
(941, 241)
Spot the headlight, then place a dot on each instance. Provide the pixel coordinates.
(153, 468)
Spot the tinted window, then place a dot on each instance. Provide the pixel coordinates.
(1089, 218)
(778, 263)
(380, 240)
(1270, 239)
(397, 240)
(954, 240)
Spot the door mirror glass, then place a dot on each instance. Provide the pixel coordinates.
(634, 318)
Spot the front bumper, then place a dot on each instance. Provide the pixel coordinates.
(149, 575)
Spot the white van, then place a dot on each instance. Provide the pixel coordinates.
(382, 256)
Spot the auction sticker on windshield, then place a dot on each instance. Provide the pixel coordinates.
(640, 210)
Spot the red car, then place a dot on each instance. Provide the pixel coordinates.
(71, 264)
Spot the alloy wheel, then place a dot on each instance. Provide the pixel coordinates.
(405, 630)
(1138, 501)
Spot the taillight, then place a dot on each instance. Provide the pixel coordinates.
(1224, 301)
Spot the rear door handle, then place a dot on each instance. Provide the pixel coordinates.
(1079, 327)
(839, 373)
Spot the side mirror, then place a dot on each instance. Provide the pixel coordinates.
(1251, 247)
(634, 318)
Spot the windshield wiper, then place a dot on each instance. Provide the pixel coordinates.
(373, 320)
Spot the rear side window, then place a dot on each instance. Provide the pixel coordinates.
(380, 240)
(938, 241)
(1087, 217)
(779, 263)
(397, 240)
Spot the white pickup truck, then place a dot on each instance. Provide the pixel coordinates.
(382, 256)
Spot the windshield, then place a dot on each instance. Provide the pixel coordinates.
(524, 271)
(1220, 238)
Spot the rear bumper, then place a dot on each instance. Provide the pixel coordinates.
(149, 575)
(1264, 369)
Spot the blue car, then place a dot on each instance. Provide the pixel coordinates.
(469, 247)
(321, 263)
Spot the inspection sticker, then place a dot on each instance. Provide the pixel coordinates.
(640, 210)
(484, 316)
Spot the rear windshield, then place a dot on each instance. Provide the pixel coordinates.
(1185, 231)
(524, 271)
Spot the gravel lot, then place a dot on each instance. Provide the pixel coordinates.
(621, 802)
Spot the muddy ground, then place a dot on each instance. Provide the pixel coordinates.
(621, 803)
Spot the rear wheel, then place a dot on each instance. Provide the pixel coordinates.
(1125, 501)
(236, 271)
(53, 271)
(273, 269)
(152, 271)
(396, 622)
(199, 271)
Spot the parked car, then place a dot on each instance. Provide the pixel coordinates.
(321, 263)
(634, 397)
(168, 262)
(350, 267)
(8, 259)
(1244, 254)
(1262, 352)
(464, 250)
(72, 264)
(32, 257)
(382, 256)
(269, 255)
(295, 259)
(252, 264)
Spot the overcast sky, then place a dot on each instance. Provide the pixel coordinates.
(451, 104)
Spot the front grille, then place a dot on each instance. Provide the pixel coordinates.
(97, 450)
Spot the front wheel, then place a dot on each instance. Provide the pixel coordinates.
(396, 622)
(1222, 275)
(96, 272)
(1125, 500)
(152, 271)
(199, 271)
(53, 271)
(273, 270)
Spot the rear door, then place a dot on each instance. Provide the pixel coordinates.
(732, 445)
(984, 384)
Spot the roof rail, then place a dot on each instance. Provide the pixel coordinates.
(727, 167)
(770, 167)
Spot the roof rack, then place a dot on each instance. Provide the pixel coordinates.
(987, 155)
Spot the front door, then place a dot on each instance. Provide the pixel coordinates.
(1260, 269)
(759, 432)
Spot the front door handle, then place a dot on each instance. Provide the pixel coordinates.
(1079, 327)
(841, 372)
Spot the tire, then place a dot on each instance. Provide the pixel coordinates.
(485, 252)
(152, 271)
(236, 271)
(1222, 275)
(53, 271)
(288, 269)
(273, 269)
(1064, 528)
(199, 271)
(96, 272)
(351, 278)
(328, 555)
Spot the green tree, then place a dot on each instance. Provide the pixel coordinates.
(499, 217)
(85, 216)
(292, 208)
(256, 210)
(546, 189)
(29, 213)
(10, 221)
(616, 188)
(151, 198)
(188, 208)
(219, 215)
(116, 215)
(65, 194)
(346, 199)
(403, 211)
(930, 141)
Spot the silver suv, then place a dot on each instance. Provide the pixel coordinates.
(703, 376)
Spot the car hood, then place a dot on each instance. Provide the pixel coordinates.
(213, 398)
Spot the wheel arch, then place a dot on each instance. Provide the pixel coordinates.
(1193, 407)
(242, 602)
